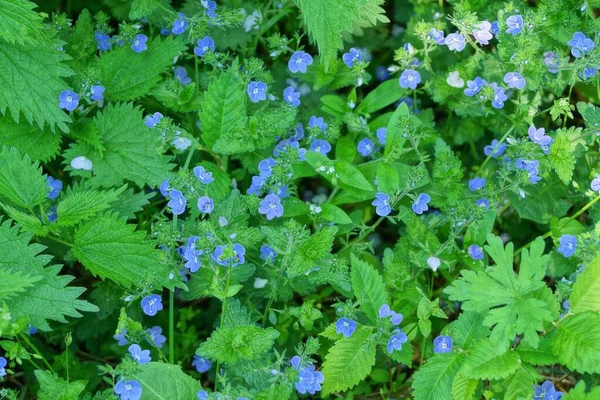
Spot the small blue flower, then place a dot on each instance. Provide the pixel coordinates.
(192, 258)
(396, 341)
(381, 135)
(177, 202)
(152, 120)
(320, 146)
(499, 96)
(309, 380)
(156, 335)
(267, 253)
(382, 73)
(474, 86)
(568, 245)
(382, 204)
(483, 33)
(238, 252)
(128, 390)
(139, 43)
(317, 122)
(514, 80)
(566, 306)
(351, 57)
(595, 184)
(204, 45)
(152, 304)
(539, 136)
(121, 337)
(531, 167)
(455, 41)
(257, 91)
(180, 24)
(271, 207)
(587, 72)
(484, 203)
(202, 395)
(141, 356)
(476, 252)
(103, 41)
(497, 149)
(436, 36)
(298, 132)
(203, 175)
(97, 92)
(181, 75)
(32, 330)
(55, 186)
(580, 45)
(206, 205)
(265, 167)
(476, 184)
(385, 311)
(515, 24)
(201, 364)
(546, 391)
(552, 62)
(68, 100)
(442, 344)
(256, 185)
(345, 326)
(420, 204)
(365, 147)
(291, 96)
(396, 318)
(410, 79)
(495, 28)
(299, 62)
(164, 188)
(51, 214)
(3, 363)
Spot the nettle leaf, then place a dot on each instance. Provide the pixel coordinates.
(127, 75)
(128, 203)
(38, 144)
(349, 361)
(49, 299)
(509, 301)
(143, 8)
(132, 151)
(486, 362)
(21, 181)
(520, 385)
(18, 22)
(542, 203)
(576, 343)
(78, 206)
(368, 287)
(586, 290)
(34, 75)
(232, 344)
(313, 250)
(562, 158)
(13, 283)
(433, 381)
(112, 249)
(162, 381)
(28, 222)
(53, 387)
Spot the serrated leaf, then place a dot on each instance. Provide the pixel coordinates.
(21, 181)
(143, 8)
(576, 343)
(349, 361)
(111, 249)
(244, 342)
(586, 290)
(541, 356)
(78, 206)
(18, 22)
(128, 203)
(562, 158)
(486, 362)
(313, 250)
(469, 329)
(368, 287)
(27, 222)
(433, 381)
(38, 144)
(162, 381)
(463, 388)
(519, 386)
(579, 392)
(13, 283)
(53, 387)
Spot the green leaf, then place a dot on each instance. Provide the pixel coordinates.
(368, 287)
(34, 75)
(309, 253)
(576, 343)
(464, 388)
(519, 386)
(128, 203)
(28, 222)
(53, 387)
(222, 108)
(385, 94)
(112, 249)
(18, 22)
(387, 178)
(162, 381)
(396, 128)
(38, 144)
(562, 158)
(351, 176)
(586, 290)
(542, 203)
(21, 181)
(335, 214)
(127, 75)
(233, 344)
(143, 8)
(79, 206)
(541, 356)
(579, 392)
(434, 380)
(486, 362)
(13, 283)
(468, 329)
(349, 361)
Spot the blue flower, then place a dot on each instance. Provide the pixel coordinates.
(546, 391)
(298, 132)
(256, 185)
(55, 186)
(580, 45)
(396, 340)
(97, 92)
(2, 365)
(309, 380)
(139, 43)
(156, 335)
(495, 28)
(531, 167)
(382, 73)
(381, 135)
(181, 75)
(201, 364)
(141, 356)
(551, 61)
(103, 41)
(180, 24)
(299, 62)
(345, 326)
(476, 184)
(317, 122)
(499, 96)
(177, 202)
(351, 57)
(566, 306)
(587, 72)
(409, 79)
(32, 330)
(474, 86)
(436, 36)
(121, 337)
(515, 24)
(192, 258)
(68, 100)
(539, 136)
(206, 205)
(202, 395)
(365, 147)
(51, 214)
(257, 91)
(568, 245)
(382, 204)
(203, 175)
(476, 252)
(152, 304)
(442, 344)
(267, 253)
(128, 390)
(152, 120)
(265, 167)
(271, 207)
(495, 149)
(483, 203)
(420, 204)
(483, 32)
(455, 41)
(237, 252)
(514, 80)
(291, 96)
(320, 146)
(209, 8)
(385, 311)
(204, 45)
(595, 184)
(164, 188)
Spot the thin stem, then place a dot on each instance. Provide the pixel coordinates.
(36, 351)
(223, 309)
(60, 241)
(172, 307)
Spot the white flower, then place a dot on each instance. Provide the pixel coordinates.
(483, 34)
(181, 143)
(260, 283)
(81, 162)
(434, 263)
(252, 21)
(455, 80)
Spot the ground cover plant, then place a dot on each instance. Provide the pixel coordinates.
(267, 199)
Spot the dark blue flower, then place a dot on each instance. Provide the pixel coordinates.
(299, 62)
(580, 45)
(156, 335)
(180, 24)
(68, 100)
(568, 245)
(3, 363)
(201, 364)
(103, 41)
(177, 202)
(152, 120)
(141, 356)
(152, 304)
(442, 344)
(320, 146)
(382, 73)
(455, 41)
(382, 204)
(51, 214)
(257, 91)
(317, 122)
(495, 149)
(256, 185)
(476, 252)
(474, 86)
(236, 253)
(587, 72)
(32, 330)
(203, 175)
(128, 390)
(420, 205)
(483, 203)
(204, 45)
(206, 205)
(97, 92)
(476, 184)
(546, 391)
(345, 326)
(514, 80)
(495, 28)
(365, 147)
(267, 253)
(181, 75)
(410, 79)
(396, 341)
(351, 57)
(271, 207)
(381, 135)
(55, 186)
(209, 8)
(139, 43)
(515, 24)
(291, 96)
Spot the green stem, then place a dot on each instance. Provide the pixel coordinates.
(60, 241)
(223, 309)
(172, 309)
(36, 351)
